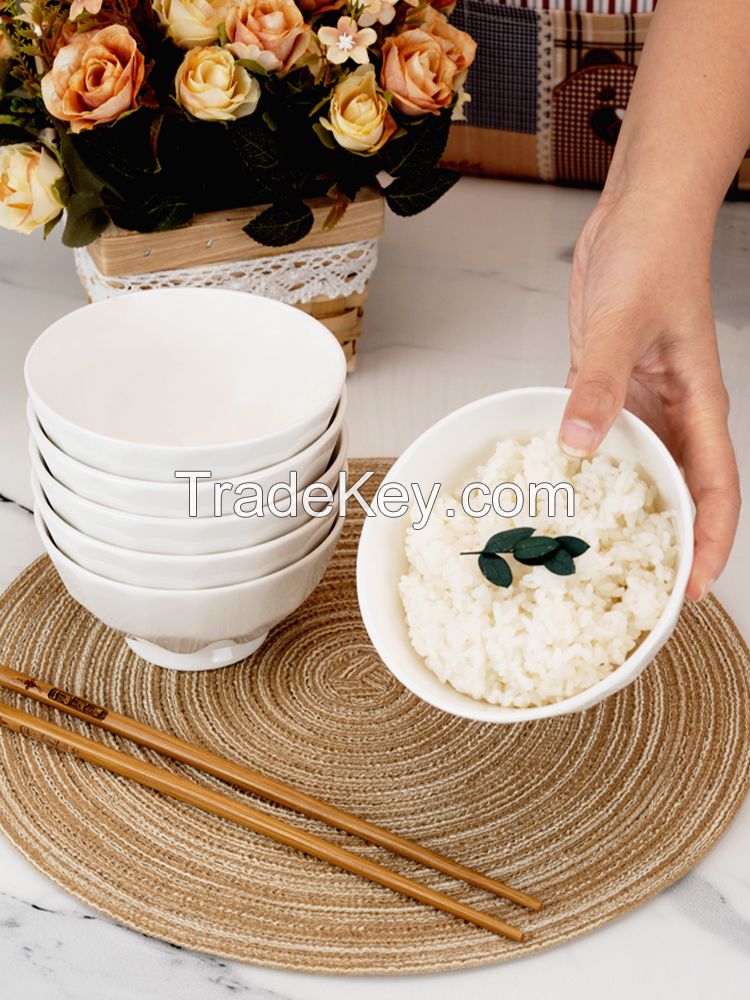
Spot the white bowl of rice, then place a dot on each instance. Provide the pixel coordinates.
(547, 644)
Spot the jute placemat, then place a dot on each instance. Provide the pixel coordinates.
(594, 813)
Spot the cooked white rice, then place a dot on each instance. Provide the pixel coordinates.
(546, 637)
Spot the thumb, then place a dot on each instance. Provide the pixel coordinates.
(599, 389)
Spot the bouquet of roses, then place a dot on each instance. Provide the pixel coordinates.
(144, 114)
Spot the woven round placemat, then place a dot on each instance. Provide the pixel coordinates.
(594, 813)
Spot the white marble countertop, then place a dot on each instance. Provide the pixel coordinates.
(468, 299)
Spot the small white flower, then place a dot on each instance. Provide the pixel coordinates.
(347, 41)
(78, 7)
(377, 12)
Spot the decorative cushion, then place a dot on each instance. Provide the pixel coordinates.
(549, 87)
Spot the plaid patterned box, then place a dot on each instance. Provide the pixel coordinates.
(549, 87)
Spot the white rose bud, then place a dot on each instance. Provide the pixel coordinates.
(190, 23)
(29, 187)
(358, 117)
(211, 86)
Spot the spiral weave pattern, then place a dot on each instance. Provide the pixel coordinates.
(594, 812)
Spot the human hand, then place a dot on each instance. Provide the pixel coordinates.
(643, 336)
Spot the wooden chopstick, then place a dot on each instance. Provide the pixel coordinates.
(255, 782)
(220, 805)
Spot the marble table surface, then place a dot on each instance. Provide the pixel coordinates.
(469, 298)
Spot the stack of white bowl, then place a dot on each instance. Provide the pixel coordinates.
(125, 393)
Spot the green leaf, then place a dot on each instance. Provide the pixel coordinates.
(495, 569)
(49, 226)
(416, 148)
(324, 135)
(86, 219)
(253, 67)
(410, 195)
(325, 99)
(575, 546)
(504, 541)
(82, 178)
(561, 563)
(535, 551)
(165, 211)
(256, 146)
(281, 224)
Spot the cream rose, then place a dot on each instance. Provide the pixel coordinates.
(418, 72)
(190, 23)
(270, 32)
(29, 185)
(211, 86)
(94, 79)
(358, 117)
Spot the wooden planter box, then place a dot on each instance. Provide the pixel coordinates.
(218, 238)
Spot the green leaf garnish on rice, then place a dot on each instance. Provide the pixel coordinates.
(557, 554)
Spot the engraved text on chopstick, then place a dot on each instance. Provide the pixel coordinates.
(51, 741)
(78, 704)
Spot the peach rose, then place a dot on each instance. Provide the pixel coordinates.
(358, 117)
(211, 86)
(190, 23)
(458, 46)
(270, 32)
(94, 79)
(418, 72)
(30, 181)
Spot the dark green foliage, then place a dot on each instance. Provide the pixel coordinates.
(283, 222)
(535, 551)
(575, 546)
(556, 554)
(504, 541)
(496, 569)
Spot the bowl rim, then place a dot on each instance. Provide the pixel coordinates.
(156, 451)
(338, 458)
(174, 559)
(153, 486)
(247, 586)
(646, 649)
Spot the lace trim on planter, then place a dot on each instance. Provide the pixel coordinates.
(298, 276)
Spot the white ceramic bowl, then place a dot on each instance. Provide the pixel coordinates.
(170, 572)
(195, 629)
(193, 378)
(448, 453)
(139, 496)
(176, 535)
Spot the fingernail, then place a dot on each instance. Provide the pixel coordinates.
(577, 438)
(703, 592)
